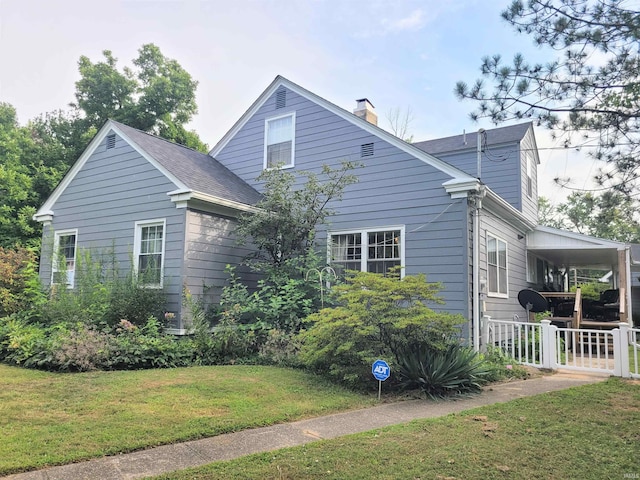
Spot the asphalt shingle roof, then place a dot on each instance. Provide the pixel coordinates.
(198, 171)
(495, 136)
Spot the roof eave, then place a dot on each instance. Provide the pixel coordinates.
(181, 198)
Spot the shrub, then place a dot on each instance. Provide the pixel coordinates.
(20, 289)
(456, 370)
(102, 296)
(134, 347)
(377, 317)
(501, 366)
(281, 349)
(20, 340)
(79, 349)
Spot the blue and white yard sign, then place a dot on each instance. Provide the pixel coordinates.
(380, 370)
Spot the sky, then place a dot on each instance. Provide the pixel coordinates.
(403, 54)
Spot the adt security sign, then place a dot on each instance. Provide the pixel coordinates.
(380, 370)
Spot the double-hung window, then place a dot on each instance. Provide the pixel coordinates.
(279, 141)
(497, 266)
(149, 252)
(371, 250)
(64, 257)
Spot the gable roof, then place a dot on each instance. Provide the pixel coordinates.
(195, 174)
(495, 136)
(198, 171)
(457, 175)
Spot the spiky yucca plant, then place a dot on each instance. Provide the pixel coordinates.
(457, 370)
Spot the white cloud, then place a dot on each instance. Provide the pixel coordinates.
(414, 21)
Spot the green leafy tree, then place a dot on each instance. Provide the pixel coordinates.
(156, 96)
(609, 215)
(293, 206)
(590, 92)
(377, 317)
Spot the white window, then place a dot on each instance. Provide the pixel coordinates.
(371, 250)
(497, 266)
(148, 252)
(279, 141)
(64, 257)
(529, 170)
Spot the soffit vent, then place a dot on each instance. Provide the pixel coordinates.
(281, 98)
(111, 141)
(366, 150)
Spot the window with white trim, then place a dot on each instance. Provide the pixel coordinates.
(279, 141)
(64, 259)
(529, 170)
(497, 266)
(149, 252)
(372, 250)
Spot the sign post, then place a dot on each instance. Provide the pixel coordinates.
(381, 372)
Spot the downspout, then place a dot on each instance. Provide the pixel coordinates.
(476, 274)
(476, 252)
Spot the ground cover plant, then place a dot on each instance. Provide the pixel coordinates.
(56, 418)
(588, 432)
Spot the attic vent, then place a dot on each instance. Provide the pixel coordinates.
(366, 150)
(111, 141)
(281, 98)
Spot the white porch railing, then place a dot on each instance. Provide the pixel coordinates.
(542, 345)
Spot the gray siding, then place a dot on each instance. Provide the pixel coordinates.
(394, 189)
(500, 170)
(529, 203)
(116, 188)
(504, 170)
(211, 246)
(504, 308)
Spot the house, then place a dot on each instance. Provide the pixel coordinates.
(461, 209)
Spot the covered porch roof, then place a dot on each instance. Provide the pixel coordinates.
(573, 250)
(569, 249)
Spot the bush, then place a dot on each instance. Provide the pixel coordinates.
(20, 289)
(102, 296)
(456, 370)
(79, 349)
(280, 349)
(501, 366)
(377, 317)
(20, 340)
(134, 347)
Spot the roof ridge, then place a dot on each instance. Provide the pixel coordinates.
(158, 137)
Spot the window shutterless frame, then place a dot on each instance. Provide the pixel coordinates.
(497, 267)
(65, 243)
(280, 141)
(369, 250)
(149, 252)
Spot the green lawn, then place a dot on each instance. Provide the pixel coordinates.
(53, 418)
(590, 432)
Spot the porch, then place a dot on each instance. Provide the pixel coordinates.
(615, 351)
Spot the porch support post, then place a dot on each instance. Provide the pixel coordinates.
(549, 331)
(621, 351)
(623, 284)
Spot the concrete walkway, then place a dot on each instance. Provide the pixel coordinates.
(225, 447)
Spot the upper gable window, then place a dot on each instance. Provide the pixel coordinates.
(529, 179)
(279, 141)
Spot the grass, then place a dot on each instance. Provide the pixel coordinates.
(52, 418)
(590, 432)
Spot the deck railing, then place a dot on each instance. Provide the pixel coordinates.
(543, 345)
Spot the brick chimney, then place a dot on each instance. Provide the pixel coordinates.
(364, 109)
